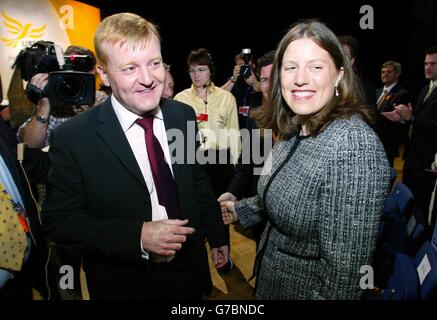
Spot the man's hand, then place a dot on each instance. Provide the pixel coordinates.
(220, 256)
(401, 113)
(228, 212)
(253, 81)
(227, 196)
(236, 72)
(40, 81)
(392, 116)
(165, 237)
(406, 112)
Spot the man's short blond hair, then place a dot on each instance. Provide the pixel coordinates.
(122, 28)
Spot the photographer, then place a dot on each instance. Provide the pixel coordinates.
(244, 85)
(35, 132)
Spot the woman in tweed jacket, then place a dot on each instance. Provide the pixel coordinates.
(326, 180)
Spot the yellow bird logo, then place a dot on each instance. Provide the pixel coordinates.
(20, 31)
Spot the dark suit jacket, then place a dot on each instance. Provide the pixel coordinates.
(98, 200)
(391, 133)
(423, 143)
(244, 183)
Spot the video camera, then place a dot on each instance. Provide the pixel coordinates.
(69, 82)
(246, 68)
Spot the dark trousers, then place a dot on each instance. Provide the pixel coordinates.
(174, 280)
(220, 175)
(19, 287)
(61, 256)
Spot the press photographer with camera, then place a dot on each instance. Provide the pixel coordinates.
(59, 96)
(244, 85)
(68, 93)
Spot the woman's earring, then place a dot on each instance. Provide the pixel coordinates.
(336, 91)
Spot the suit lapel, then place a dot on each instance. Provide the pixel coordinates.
(390, 97)
(171, 122)
(395, 89)
(112, 134)
(432, 96)
(421, 101)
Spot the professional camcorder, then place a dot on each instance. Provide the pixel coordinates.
(69, 82)
(246, 68)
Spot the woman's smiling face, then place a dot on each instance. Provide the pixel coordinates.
(308, 77)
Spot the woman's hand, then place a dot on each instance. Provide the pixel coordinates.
(228, 212)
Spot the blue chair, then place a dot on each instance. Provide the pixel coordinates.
(413, 278)
(399, 201)
(416, 230)
(398, 236)
(404, 282)
(395, 203)
(426, 266)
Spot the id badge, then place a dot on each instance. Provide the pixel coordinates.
(243, 110)
(202, 117)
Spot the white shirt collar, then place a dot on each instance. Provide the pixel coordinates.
(390, 87)
(126, 117)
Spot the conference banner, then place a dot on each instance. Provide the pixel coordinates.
(25, 22)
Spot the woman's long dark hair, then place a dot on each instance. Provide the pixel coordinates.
(278, 116)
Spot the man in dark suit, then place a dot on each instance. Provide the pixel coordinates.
(422, 146)
(106, 197)
(392, 94)
(17, 283)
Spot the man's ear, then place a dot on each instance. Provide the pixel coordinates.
(103, 75)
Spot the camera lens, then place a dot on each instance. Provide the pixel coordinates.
(245, 71)
(70, 88)
(67, 88)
